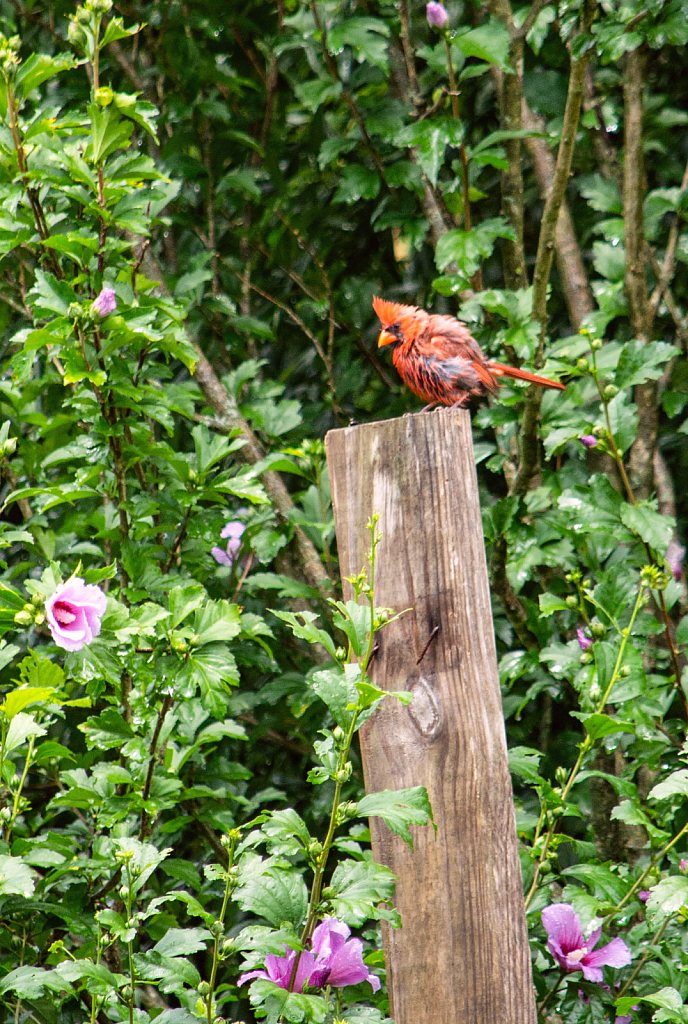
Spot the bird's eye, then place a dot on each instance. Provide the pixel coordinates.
(395, 329)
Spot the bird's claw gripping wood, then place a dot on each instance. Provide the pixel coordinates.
(439, 360)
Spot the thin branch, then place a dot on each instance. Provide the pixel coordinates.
(545, 250)
(531, 18)
(167, 702)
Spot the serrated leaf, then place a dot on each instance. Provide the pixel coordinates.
(668, 896)
(399, 808)
(182, 941)
(652, 527)
(675, 784)
(16, 877)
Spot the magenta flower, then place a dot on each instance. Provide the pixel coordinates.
(436, 14)
(279, 969)
(644, 895)
(106, 302)
(683, 864)
(583, 641)
(338, 959)
(234, 531)
(588, 440)
(335, 960)
(572, 951)
(74, 612)
(674, 556)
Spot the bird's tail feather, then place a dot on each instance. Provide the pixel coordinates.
(500, 370)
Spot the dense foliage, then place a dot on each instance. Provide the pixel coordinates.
(198, 204)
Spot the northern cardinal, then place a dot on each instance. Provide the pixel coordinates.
(438, 359)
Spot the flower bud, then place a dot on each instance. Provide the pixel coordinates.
(338, 735)
(610, 391)
(599, 431)
(545, 867)
(216, 929)
(315, 848)
(104, 96)
(228, 947)
(572, 601)
(436, 14)
(344, 774)
(9, 446)
(625, 671)
(23, 618)
(598, 630)
(585, 658)
(204, 989)
(582, 364)
(348, 809)
(596, 344)
(127, 993)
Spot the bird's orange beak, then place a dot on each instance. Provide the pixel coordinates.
(386, 338)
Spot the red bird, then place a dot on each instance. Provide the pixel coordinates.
(438, 359)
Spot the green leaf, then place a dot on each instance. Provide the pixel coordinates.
(217, 620)
(184, 600)
(357, 889)
(109, 132)
(24, 696)
(399, 809)
(598, 726)
(106, 731)
(183, 941)
(116, 30)
(366, 36)
(524, 762)
(675, 784)
(641, 360)
(431, 137)
(357, 182)
(49, 295)
(22, 726)
(652, 527)
(305, 630)
(31, 982)
(468, 248)
(276, 895)
(15, 877)
(38, 68)
(550, 603)
(337, 688)
(213, 669)
(488, 42)
(668, 896)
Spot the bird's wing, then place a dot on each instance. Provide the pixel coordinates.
(450, 341)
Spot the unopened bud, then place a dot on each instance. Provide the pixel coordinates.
(104, 96)
(204, 989)
(625, 671)
(545, 867)
(315, 848)
(582, 364)
(216, 929)
(599, 431)
(10, 446)
(23, 618)
(228, 947)
(596, 344)
(340, 654)
(127, 993)
(338, 735)
(585, 658)
(571, 601)
(598, 630)
(344, 774)
(610, 391)
(348, 809)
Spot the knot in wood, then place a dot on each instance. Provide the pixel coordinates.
(424, 709)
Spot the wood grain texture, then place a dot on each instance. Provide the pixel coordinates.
(462, 955)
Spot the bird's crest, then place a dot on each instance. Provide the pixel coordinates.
(392, 312)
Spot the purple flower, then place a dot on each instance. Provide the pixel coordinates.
(338, 959)
(106, 302)
(335, 960)
(588, 440)
(644, 895)
(583, 641)
(572, 951)
(234, 531)
(74, 612)
(683, 864)
(674, 556)
(436, 14)
(279, 969)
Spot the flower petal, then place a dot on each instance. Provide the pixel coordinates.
(562, 925)
(252, 974)
(615, 954)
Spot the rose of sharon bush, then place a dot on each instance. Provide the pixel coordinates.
(334, 959)
(74, 612)
(573, 952)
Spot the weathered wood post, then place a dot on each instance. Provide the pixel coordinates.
(462, 954)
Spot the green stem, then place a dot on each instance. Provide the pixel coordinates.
(216, 944)
(548, 998)
(17, 795)
(641, 963)
(587, 743)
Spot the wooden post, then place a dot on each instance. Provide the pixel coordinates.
(462, 955)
